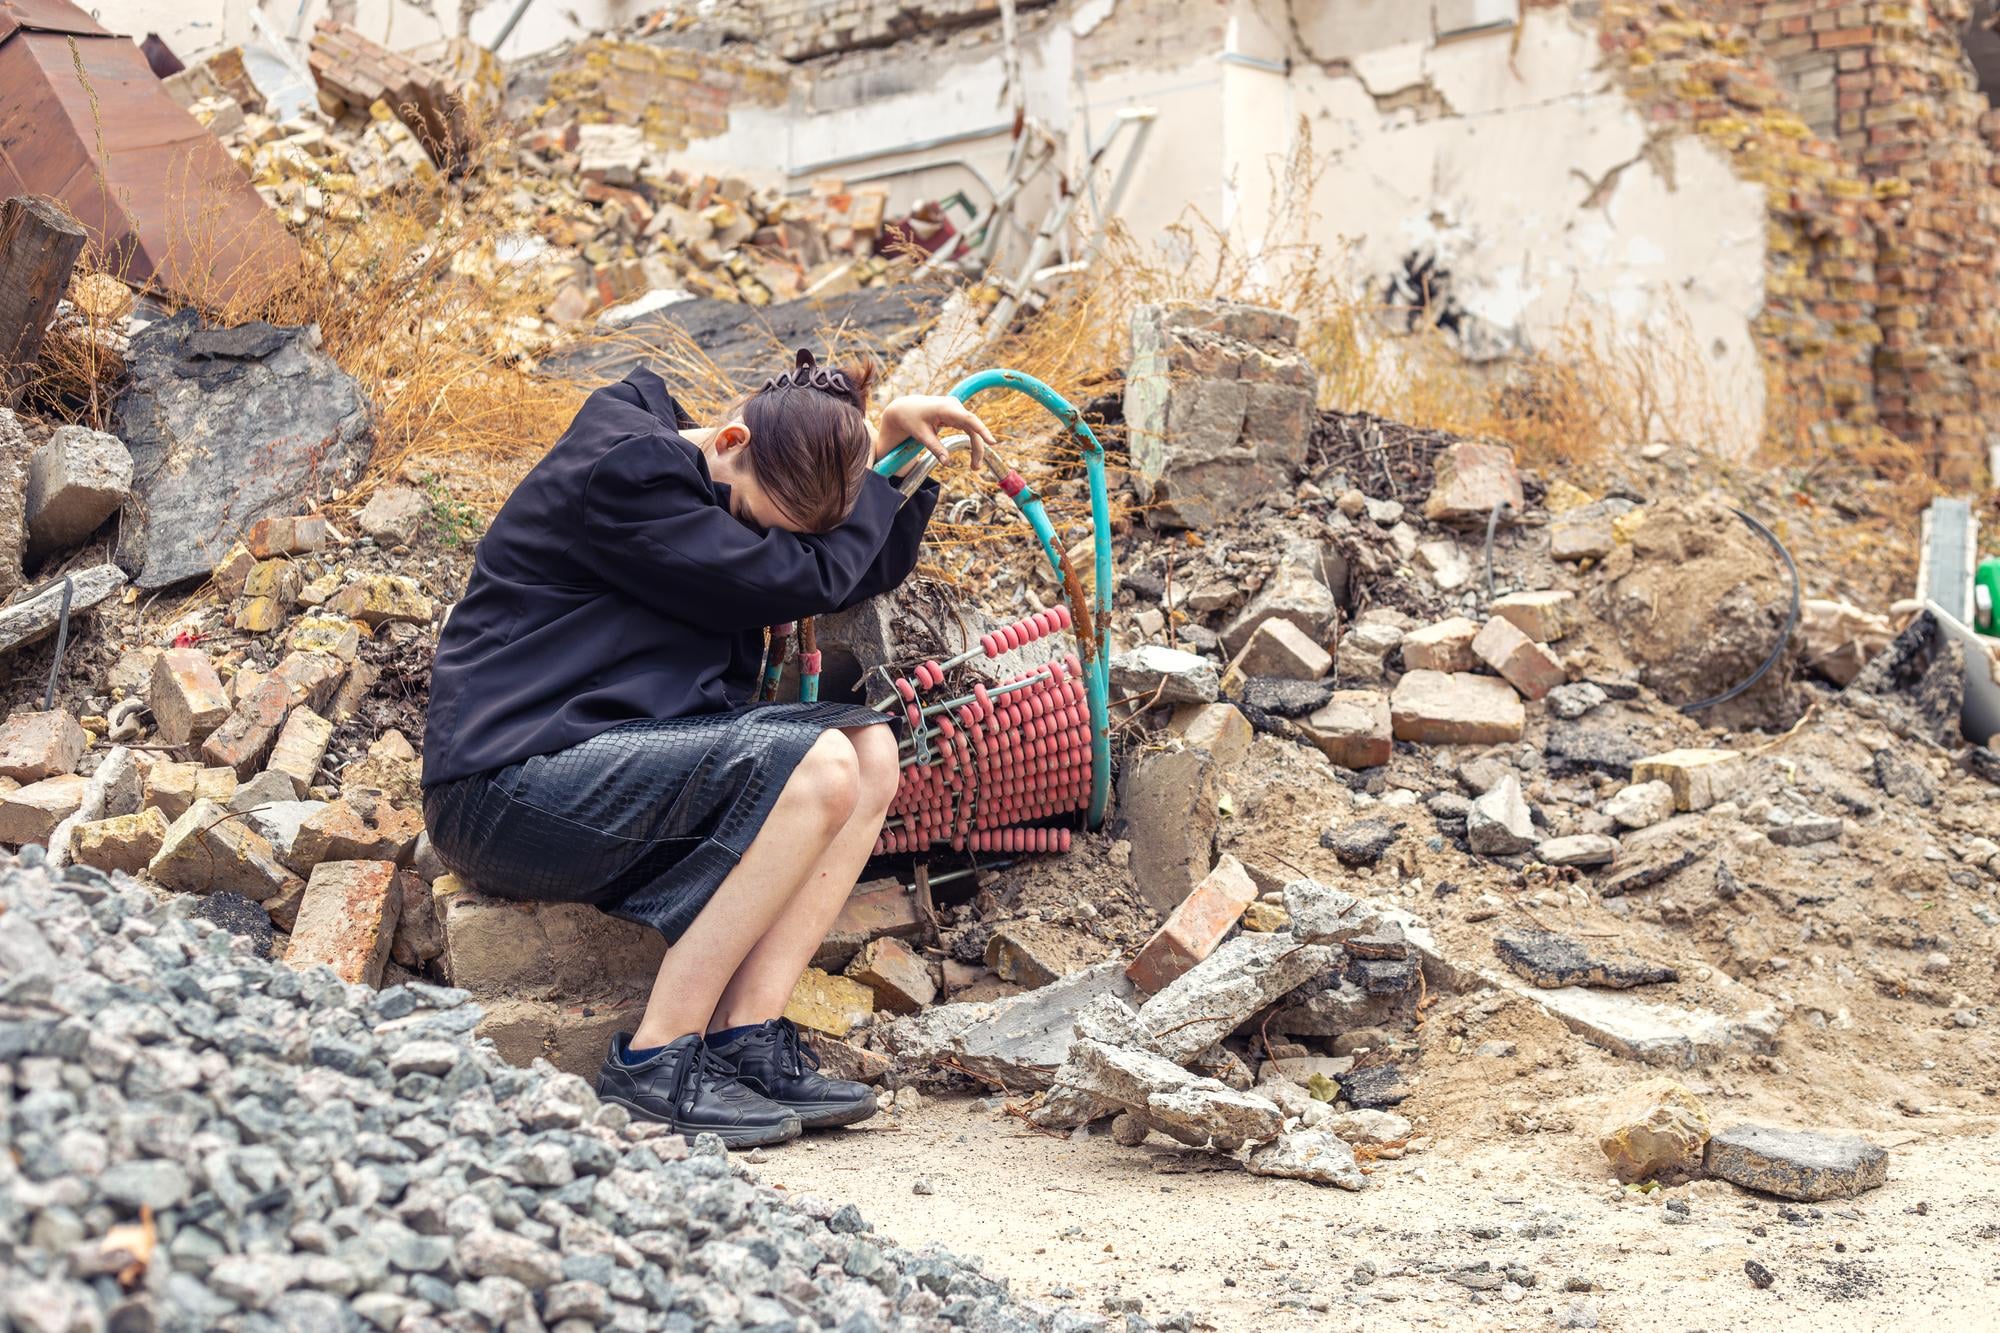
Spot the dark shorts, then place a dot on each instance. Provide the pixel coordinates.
(642, 821)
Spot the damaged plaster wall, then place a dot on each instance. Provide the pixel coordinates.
(1516, 164)
(195, 28)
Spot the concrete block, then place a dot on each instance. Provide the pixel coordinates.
(347, 920)
(1445, 646)
(1017, 1042)
(1218, 994)
(186, 696)
(1521, 662)
(75, 481)
(34, 746)
(497, 949)
(1698, 777)
(1499, 824)
(1364, 650)
(1353, 729)
(1436, 708)
(1194, 928)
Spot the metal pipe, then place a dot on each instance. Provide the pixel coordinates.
(507, 28)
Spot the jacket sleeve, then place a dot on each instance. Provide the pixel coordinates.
(652, 530)
(899, 553)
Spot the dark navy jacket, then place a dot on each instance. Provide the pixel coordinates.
(615, 585)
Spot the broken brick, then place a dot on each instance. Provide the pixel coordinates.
(829, 1004)
(172, 787)
(332, 636)
(1523, 663)
(1699, 778)
(356, 830)
(1219, 728)
(1445, 646)
(309, 678)
(347, 920)
(31, 813)
(1352, 728)
(123, 842)
(270, 537)
(1435, 708)
(383, 599)
(279, 580)
(251, 729)
(1194, 928)
(872, 911)
(208, 849)
(186, 696)
(1280, 648)
(300, 749)
(901, 981)
(34, 746)
(232, 569)
(1542, 616)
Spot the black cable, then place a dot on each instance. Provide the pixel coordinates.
(62, 644)
(1784, 639)
(1492, 524)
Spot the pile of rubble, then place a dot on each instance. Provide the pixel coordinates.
(204, 1139)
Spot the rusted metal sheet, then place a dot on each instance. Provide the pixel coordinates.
(84, 121)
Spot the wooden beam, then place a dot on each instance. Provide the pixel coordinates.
(39, 244)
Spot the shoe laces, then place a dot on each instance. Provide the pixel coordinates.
(798, 1056)
(700, 1061)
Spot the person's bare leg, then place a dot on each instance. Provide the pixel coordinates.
(764, 980)
(815, 807)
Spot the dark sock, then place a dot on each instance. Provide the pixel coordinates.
(723, 1036)
(638, 1055)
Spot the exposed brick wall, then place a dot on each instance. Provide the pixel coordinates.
(1864, 124)
(802, 29)
(673, 93)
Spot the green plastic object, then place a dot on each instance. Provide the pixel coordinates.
(1986, 597)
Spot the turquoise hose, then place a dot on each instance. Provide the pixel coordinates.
(1097, 670)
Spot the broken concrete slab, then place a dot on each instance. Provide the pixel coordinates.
(1166, 810)
(1796, 1164)
(76, 480)
(1165, 675)
(36, 618)
(1316, 1155)
(1549, 960)
(227, 426)
(1322, 914)
(1435, 708)
(1200, 1112)
(1218, 994)
(1017, 1042)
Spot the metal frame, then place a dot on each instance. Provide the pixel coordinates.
(1097, 647)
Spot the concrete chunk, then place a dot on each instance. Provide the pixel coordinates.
(186, 696)
(1165, 675)
(1017, 1042)
(1655, 1129)
(347, 920)
(36, 618)
(1641, 805)
(1219, 728)
(1309, 1154)
(1213, 998)
(1698, 777)
(1323, 914)
(37, 745)
(1500, 824)
(75, 481)
(393, 515)
(1193, 930)
(1578, 849)
(1166, 809)
(1293, 593)
(1433, 708)
(1470, 480)
(1202, 1112)
(1796, 1164)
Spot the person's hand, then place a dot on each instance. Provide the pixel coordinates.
(923, 417)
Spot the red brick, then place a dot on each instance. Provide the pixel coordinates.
(1192, 931)
(872, 911)
(1526, 665)
(186, 696)
(900, 979)
(286, 536)
(34, 746)
(1353, 728)
(246, 736)
(347, 920)
(1435, 708)
(355, 830)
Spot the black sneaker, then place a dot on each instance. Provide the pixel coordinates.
(771, 1059)
(687, 1087)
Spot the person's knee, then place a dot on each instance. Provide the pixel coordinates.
(879, 771)
(827, 782)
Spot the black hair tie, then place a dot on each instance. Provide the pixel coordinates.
(809, 374)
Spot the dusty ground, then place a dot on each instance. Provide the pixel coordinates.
(1098, 1227)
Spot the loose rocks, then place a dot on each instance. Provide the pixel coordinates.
(1547, 959)
(1655, 1128)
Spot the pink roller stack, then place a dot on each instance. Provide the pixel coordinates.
(979, 767)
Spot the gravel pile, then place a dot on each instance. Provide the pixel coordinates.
(195, 1138)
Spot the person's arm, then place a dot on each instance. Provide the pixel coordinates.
(899, 553)
(652, 531)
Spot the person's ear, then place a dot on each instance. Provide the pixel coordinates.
(732, 437)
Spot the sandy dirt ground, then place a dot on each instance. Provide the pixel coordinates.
(1100, 1228)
